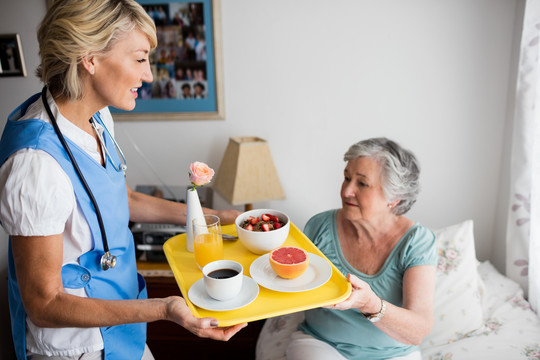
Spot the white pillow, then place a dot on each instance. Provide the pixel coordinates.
(457, 305)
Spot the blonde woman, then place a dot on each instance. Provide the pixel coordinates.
(74, 291)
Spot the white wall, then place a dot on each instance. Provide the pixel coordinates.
(313, 77)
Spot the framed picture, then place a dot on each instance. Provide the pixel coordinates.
(186, 64)
(11, 56)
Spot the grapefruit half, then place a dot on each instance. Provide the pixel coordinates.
(289, 262)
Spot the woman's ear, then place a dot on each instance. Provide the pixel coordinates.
(89, 64)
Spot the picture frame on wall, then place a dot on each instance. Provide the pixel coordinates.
(11, 56)
(186, 64)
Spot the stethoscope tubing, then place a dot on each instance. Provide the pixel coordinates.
(107, 254)
(122, 166)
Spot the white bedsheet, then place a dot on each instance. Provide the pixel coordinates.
(510, 330)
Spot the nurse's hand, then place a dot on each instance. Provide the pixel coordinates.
(178, 312)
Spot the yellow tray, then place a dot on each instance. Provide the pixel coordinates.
(269, 303)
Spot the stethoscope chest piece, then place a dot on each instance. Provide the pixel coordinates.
(108, 261)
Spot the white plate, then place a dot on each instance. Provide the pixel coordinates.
(318, 273)
(197, 294)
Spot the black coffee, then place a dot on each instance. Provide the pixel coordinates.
(223, 273)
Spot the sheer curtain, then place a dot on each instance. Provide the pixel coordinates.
(523, 234)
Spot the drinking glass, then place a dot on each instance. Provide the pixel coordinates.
(207, 240)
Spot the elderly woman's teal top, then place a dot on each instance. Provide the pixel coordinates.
(349, 331)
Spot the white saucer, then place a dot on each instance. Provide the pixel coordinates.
(318, 273)
(197, 295)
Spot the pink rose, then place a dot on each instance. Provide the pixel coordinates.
(200, 174)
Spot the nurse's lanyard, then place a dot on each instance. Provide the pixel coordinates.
(107, 260)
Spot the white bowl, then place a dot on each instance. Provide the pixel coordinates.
(261, 242)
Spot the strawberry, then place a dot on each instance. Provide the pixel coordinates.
(265, 227)
(265, 217)
(277, 225)
(253, 220)
(275, 219)
(248, 227)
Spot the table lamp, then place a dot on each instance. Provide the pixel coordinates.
(247, 173)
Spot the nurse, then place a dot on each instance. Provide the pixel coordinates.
(67, 300)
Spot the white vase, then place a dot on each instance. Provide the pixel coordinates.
(194, 211)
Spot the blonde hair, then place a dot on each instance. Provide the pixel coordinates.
(73, 29)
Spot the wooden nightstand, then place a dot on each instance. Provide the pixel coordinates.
(171, 341)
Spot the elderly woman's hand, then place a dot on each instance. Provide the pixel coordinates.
(361, 298)
(178, 311)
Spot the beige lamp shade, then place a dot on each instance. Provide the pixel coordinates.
(247, 173)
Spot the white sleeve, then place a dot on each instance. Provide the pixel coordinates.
(36, 195)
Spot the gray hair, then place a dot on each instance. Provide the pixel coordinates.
(400, 170)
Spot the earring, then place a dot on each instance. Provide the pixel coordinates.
(92, 71)
(389, 205)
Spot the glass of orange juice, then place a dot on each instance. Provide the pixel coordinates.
(207, 240)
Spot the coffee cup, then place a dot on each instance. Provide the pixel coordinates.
(223, 279)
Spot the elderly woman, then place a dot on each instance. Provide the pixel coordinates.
(74, 291)
(389, 260)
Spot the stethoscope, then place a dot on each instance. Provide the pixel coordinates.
(108, 260)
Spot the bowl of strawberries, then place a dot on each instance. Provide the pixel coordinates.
(262, 230)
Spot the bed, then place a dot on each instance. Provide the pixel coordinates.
(479, 313)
